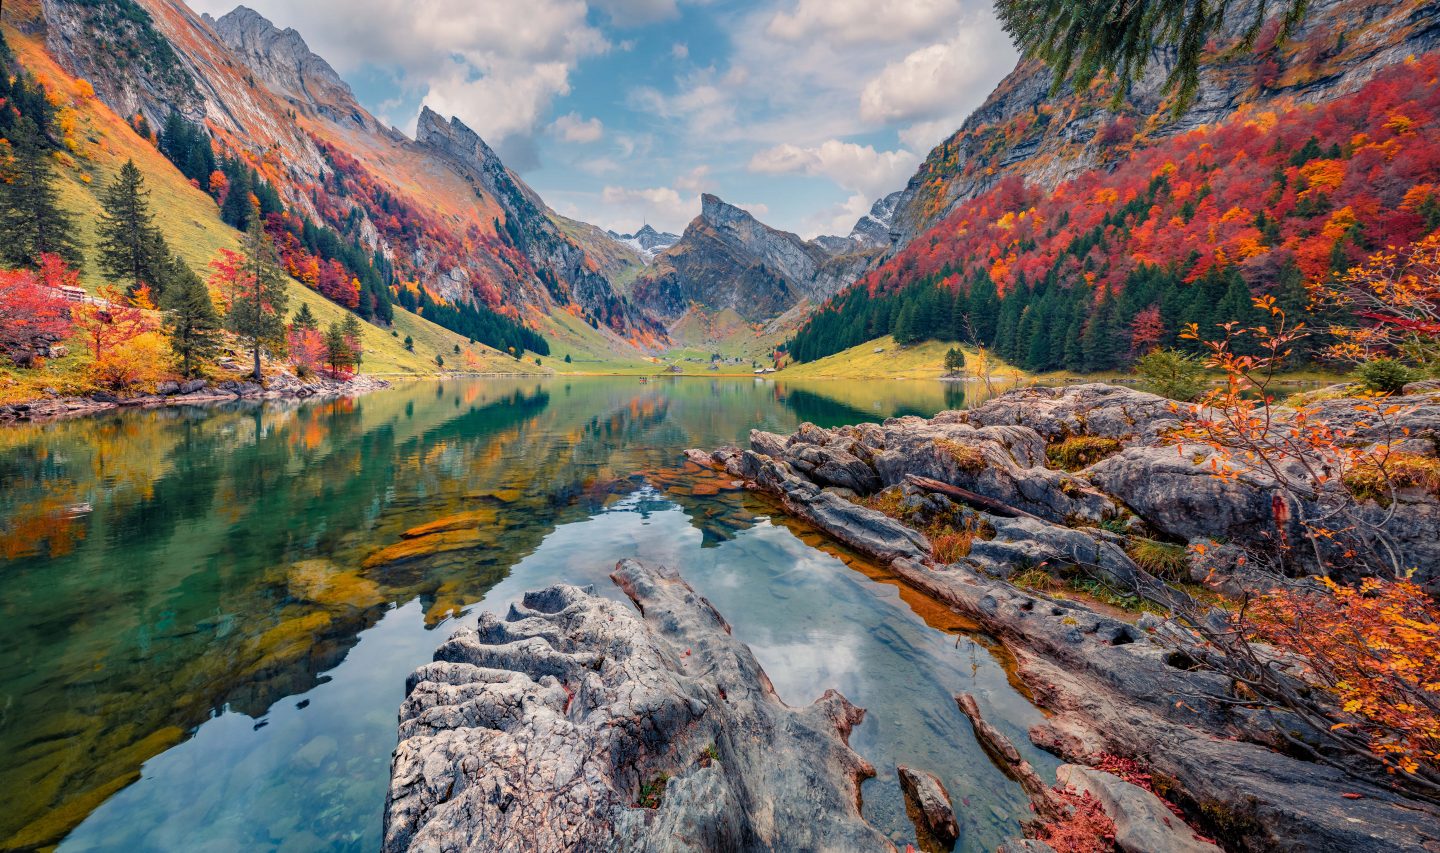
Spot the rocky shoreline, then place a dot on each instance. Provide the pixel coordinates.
(575, 723)
(1115, 688)
(192, 392)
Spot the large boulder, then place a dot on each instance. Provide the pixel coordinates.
(577, 724)
(1143, 824)
(1094, 409)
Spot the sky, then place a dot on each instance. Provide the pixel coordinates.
(622, 112)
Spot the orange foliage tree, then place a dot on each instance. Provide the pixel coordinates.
(1392, 302)
(1359, 666)
(111, 322)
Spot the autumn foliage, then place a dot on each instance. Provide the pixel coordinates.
(1360, 664)
(1376, 649)
(1391, 302)
(32, 309)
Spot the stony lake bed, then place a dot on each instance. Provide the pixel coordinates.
(211, 611)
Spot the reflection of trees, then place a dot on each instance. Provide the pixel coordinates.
(225, 559)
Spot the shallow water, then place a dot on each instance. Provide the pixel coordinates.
(207, 615)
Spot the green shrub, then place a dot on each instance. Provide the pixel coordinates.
(1177, 375)
(1384, 375)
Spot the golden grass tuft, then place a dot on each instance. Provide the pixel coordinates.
(1081, 451)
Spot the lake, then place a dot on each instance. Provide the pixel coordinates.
(203, 641)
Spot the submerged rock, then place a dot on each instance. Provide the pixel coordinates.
(928, 804)
(577, 724)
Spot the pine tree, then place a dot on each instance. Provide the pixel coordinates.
(131, 248)
(984, 307)
(191, 321)
(256, 312)
(32, 222)
(236, 209)
(354, 333)
(337, 348)
(1102, 340)
(304, 320)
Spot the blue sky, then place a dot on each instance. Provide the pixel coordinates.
(623, 111)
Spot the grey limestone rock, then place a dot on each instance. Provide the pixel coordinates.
(575, 723)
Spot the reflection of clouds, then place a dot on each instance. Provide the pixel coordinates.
(803, 669)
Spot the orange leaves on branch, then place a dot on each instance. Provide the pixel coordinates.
(1376, 649)
(1393, 300)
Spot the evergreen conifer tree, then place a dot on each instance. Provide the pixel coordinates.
(132, 250)
(304, 319)
(32, 222)
(256, 312)
(353, 332)
(191, 321)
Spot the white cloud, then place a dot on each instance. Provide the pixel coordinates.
(925, 135)
(599, 166)
(680, 50)
(662, 207)
(637, 12)
(572, 128)
(862, 21)
(859, 168)
(937, 79)
(496, 64)
(694, 180)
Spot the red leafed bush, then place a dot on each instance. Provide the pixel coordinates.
(31, 309)
(1084, 827)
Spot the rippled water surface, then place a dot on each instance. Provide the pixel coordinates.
(207, 615)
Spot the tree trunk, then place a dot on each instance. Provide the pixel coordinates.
(257, 362)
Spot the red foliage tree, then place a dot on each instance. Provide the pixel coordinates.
(32, 309)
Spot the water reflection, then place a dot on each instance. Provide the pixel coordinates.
(235, 594)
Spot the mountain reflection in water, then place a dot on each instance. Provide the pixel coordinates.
(209, 613)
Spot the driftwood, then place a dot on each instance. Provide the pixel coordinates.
(974, 499)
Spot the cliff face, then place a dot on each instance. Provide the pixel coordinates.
(473, 231)
(727, 259)
(284, 62)
(1024, 129)
(572, 274)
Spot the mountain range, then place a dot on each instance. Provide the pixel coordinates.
(443, 228)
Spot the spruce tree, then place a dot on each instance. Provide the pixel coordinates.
(191, 321)
(131, 248)
(32, 222)
(353, 332)
(984, 307)
(256, 312)
(337, 348)
(304, 319)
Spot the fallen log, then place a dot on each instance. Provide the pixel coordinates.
(974, 499)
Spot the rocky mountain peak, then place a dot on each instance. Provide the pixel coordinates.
(647, 242)
(722, 214)
(285, 63)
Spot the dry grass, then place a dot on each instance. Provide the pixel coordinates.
(1379, 477)
(1161, 559)
(968, 456)
(1081, 451)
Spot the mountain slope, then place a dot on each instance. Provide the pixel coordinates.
(103, 141)
(1024, 129)
(728, 260)
(440, 213)
(1178, 228)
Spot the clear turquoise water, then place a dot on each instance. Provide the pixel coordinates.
(196, 655)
